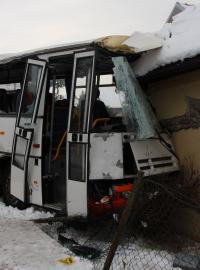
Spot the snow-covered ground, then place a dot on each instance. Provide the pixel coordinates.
(24, 246)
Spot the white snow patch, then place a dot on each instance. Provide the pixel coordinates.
(181, 40)
(27, 214)
(24, 246)
(143, 41)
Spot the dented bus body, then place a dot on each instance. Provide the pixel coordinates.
(59, 147)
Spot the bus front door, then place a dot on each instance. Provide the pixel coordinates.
(78, 133)
(25, 125)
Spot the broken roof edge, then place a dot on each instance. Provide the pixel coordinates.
(137, 43)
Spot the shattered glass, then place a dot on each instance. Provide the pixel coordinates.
(138, 113)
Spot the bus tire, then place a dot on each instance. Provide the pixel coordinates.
(8, 198)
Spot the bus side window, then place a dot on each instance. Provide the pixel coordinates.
(15, 101)
(4, 105)
(10, 95)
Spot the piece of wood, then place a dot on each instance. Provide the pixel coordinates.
(190, 119)
(59, 219)
(123, 221)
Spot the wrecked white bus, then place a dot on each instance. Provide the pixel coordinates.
(71, 132)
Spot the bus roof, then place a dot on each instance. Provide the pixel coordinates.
(123, 44)
(6, 58)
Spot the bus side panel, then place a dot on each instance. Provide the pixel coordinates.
(35, 180)
(6, 140)
(152, 157)
(106, 156)
(7, 126)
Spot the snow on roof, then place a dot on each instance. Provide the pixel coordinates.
(141, 42)
(137, 43)
(181, 39)
(4, 58)
(178, 39)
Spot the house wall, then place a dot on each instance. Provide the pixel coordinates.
(169, 97)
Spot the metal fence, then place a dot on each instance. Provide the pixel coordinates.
(161, 232)
(158, 229)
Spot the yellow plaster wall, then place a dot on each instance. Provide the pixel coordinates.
(187, 146)
(168, 97)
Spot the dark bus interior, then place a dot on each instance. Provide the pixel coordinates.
(108, 119)
(56, 120)
(11, 80)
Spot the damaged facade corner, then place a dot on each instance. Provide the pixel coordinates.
(170, 76)
(176, 101)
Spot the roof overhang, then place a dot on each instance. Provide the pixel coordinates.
(170, 70)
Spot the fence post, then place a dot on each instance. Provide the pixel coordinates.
(123, 221)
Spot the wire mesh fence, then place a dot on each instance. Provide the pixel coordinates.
(162, 232)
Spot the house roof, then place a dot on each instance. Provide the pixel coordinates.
(181, 41)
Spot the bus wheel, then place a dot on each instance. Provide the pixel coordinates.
(8, 198)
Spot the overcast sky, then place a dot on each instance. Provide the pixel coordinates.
(28, 24)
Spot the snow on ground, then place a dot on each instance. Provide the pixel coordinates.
(23, 245)
(27, 214)
(181, 40)
(136, 254)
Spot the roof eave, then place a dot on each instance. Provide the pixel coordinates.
(170, 70)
